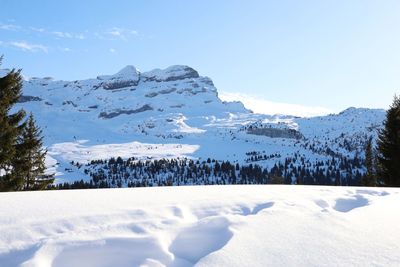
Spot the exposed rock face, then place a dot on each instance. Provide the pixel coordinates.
(118, 112)
(28, 98)
(173, 73)
(69, 103)
(162, 92)
(130, 77)
(275, 133)
(192, 91)
(127, 77)
(206, 81)
(119, 84)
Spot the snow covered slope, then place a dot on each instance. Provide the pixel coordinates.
(175, 112)
(203, 226)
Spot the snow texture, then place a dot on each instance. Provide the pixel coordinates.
(202, 226)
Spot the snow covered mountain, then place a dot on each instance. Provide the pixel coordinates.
(175, 112)
(125, 104)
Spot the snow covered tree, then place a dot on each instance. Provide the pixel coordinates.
(30, 158)
(11, 126)
(389, 147)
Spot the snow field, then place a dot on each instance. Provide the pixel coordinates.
(270, 225)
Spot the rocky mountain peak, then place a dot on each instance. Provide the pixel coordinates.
(127, 73)
(172, 73)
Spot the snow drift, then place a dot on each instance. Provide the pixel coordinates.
(202, 226)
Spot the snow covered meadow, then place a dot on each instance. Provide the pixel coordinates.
(252, 225)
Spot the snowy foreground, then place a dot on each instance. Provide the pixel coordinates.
(270, 225)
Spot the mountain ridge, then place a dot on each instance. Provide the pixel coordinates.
(178, 111)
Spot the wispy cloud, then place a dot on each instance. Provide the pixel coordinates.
(9, 27)
(57, 34)
(37, 29)
(116, 33)
(113, 33)
(46, 34)
(263, 106)
(60, 34)
(28, 47)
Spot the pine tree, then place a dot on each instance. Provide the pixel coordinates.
(10, 128)
(389, 147)
(30, 160)
(21, 157)
(369, 178)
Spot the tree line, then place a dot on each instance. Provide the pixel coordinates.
(117, 172)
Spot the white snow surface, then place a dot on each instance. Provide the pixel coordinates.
(270, 225)
(78, 152)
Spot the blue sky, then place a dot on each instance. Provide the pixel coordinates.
(322, 55)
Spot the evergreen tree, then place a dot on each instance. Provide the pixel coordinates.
(369, 178)
(21, 157)
(11, 127)
(30, 160)
(276, 179)
(389, 147)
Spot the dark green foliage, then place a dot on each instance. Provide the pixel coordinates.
(21, 158)
(11, 127)
(389, 147)
(276, 180)
(166, 172)
(30, 158)
(369, 178)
